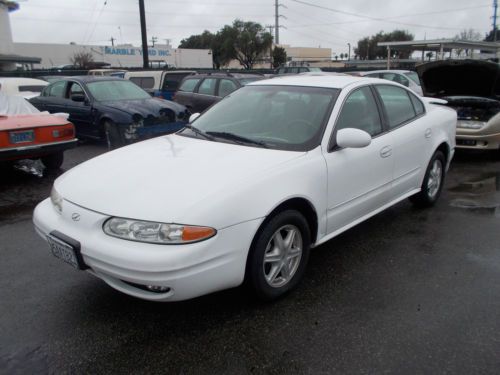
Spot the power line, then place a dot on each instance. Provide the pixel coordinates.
(372, 18)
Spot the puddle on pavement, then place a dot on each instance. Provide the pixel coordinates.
(480, 194)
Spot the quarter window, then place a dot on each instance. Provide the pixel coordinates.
(144, 82)
(397, 104)
(226, 87)
(207, 87)
(417, 104)
(189, 84)
(360, 112)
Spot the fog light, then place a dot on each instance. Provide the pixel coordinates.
(158, 288)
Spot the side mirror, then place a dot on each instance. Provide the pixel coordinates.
(353, 138)
(78, 98)
(193, 117)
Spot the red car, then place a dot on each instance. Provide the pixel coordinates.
(36, 136)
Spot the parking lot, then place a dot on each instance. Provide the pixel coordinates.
(408, 291)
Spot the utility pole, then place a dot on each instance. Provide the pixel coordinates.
(144, 36)
(271, 27)
(112, 41)
(277, 21)
(154, 40)
(495, 7)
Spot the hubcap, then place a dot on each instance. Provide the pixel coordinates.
(435, 176)
(282, 256)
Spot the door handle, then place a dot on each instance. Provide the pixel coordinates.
(386, 151)
(428, 133)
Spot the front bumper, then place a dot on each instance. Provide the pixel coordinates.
(479, 139)
(187, 270)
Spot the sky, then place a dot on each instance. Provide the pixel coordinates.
(307, 23)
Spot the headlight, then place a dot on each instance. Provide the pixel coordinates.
(471, 124)
(56, 199)
(159, 233)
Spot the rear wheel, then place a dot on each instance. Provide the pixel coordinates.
(279, 255)
(433, 182)
(53, 162)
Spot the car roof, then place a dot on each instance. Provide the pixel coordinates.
(319, 80)
(87, 79)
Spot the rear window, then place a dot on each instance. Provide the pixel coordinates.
(144, 82)
(189, 84)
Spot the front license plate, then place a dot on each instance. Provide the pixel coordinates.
(63, 251)
(22, 136)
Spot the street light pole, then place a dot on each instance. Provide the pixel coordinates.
(349, 54)
(145, 55)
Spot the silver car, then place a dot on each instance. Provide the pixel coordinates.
(406, 78)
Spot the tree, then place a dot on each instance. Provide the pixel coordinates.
(467, 34)
(82, 59)
(490, 36)
(279, 56)
(250, 42)
(429, 55)
(368, 48)
(215, 42)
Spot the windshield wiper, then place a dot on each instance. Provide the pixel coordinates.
(198, 131)
(237, 138)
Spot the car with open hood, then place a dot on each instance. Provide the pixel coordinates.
(472, 88)
(112, 109)
(248, 187)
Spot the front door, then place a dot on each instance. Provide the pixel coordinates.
(359, 179)
(80, 112)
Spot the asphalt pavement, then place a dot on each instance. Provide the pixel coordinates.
(407, 292)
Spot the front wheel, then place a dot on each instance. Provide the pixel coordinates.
(279, 255)
(113, 137)
(433, 182)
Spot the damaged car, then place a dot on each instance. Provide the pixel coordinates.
(470, 87)
(111, 109)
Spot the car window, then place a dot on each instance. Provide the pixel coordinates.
(413, 76)
(31, 88)
(360, 111)
(244, 81)
(171, 81)
(56, 89)
(417, 104)
(395, 77)
(281, 71)
(303, 70)
(226, 86)
(397, 104)
(373, 75)
(144, 82)
(189, 84)
(75, 88)
(293, 70)
(207, 87)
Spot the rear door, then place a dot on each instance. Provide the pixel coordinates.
(52, 98)
(185, 94)
(412, 135)
(205, 94)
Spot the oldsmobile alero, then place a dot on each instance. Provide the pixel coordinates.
(248, 188)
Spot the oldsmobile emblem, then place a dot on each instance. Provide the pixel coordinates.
(75, 216)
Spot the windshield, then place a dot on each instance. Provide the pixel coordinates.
(414, 77)
(116, 90)
(280, 117)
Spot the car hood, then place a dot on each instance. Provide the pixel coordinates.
(162, 179)
(144, 107)
(459, 77)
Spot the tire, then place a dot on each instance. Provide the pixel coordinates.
(53, 162)
(113, 137)
(267, 274)
(433, 182)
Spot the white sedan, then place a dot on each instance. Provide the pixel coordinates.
(249, 187)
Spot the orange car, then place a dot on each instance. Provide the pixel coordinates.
(36, 136)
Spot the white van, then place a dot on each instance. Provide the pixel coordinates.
(159, 83)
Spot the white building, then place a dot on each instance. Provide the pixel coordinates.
(126, 56)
